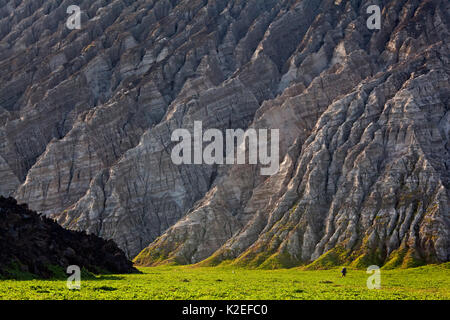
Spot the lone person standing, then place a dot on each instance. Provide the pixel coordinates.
(344, 271)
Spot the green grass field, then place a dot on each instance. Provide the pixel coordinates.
(429, 282)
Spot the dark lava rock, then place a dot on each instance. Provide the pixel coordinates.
(36, 244)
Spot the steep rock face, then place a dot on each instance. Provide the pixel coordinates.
(86, 118)
(359, 183)
(132, 65)
(145, 193)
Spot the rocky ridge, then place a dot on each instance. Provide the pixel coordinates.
(33, 244)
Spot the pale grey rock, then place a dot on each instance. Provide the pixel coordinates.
(10, 182)
(359, 176)
(86, 117)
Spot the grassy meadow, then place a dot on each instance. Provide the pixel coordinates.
(226, 283)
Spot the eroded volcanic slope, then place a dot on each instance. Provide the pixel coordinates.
(30, 243)
(86, 117)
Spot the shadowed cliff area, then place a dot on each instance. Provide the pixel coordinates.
(32, 244)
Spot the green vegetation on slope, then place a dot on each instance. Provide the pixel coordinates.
(187, 282)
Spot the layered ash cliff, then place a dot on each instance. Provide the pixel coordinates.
(86, 118)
